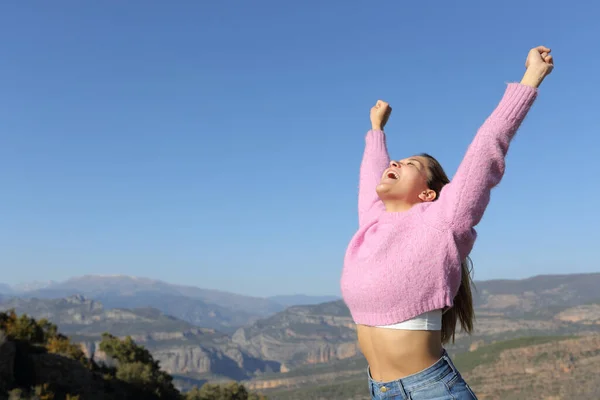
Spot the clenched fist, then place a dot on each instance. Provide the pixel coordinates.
(379, 115)
(539, 64)
(540, 59)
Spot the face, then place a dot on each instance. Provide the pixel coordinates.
(406, 180)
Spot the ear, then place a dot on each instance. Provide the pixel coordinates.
(428, 195)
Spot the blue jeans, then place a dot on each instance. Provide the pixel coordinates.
(441, 381)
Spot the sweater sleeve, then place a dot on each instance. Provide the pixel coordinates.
(463, 201)
(375, 160)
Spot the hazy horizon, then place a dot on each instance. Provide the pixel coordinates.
(19, 286)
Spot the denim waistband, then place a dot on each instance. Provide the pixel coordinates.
(442, 368)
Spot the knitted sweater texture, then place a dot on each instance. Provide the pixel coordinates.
(401, 264)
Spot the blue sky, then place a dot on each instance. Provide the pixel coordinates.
(217, 144)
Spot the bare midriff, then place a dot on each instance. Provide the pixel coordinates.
(394, 354)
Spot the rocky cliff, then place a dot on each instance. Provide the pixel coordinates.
(181, 348)
(557, 370)
(302, 335)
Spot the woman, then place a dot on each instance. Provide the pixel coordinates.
(405, 277)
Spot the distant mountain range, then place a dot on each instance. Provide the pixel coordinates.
(301, 299)
(201, 307)
(307, 344)
(6, 289)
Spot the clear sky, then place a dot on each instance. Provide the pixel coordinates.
(217, 143)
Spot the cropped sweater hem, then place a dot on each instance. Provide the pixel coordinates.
(402, 313)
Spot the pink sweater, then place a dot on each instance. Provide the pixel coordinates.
(401, 264)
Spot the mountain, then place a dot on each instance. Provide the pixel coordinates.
(120, 285)
(202, 307)
(180, 347)
(5, 289)
(301, 299)
(537, 295)
(31, 286)
(77, 315)
(194, 311)
(302, 335)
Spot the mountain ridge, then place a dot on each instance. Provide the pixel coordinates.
(33, 286)
(210, 308)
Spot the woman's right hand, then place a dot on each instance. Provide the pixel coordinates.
(539, 64)
(379, 115)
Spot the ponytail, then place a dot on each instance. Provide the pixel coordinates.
(463, 306)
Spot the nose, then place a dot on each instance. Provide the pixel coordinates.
(394, 164)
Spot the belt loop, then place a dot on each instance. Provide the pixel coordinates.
(449, 361)
(402, 391)
(371, 384)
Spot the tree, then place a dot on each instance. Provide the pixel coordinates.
(137, 367)
(21, 328)
(27, 329)
(59, 344)
(135, 374)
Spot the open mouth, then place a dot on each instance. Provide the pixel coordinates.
(392, 175)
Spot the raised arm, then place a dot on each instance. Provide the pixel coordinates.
(462, 202)
(375, 160)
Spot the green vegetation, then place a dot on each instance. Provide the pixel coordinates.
(465, 362)
(540, 358)
(40, 363)
(355, 364)
(137, 367)
(351, 389)
(233, 391)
